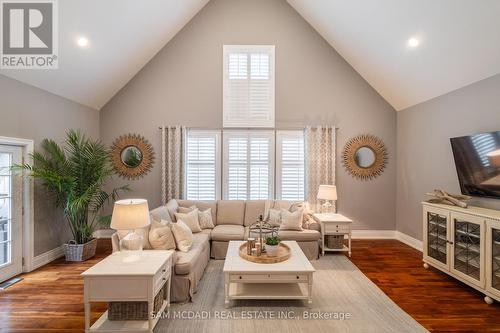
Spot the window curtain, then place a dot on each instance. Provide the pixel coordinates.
(172, 162)
(320, 162)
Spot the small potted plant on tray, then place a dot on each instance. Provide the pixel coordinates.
(272, 246)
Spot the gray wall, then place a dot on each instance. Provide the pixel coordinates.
(314, 85)
(31, 113)
(425, 160)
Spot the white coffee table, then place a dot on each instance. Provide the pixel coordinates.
(290, 279)
(118, 278)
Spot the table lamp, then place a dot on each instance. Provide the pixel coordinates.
(327, 193)
(130, 214)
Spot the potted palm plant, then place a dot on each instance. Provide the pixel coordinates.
(75, 174)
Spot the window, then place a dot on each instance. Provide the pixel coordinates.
(248, 86)
(202, 165)
(290, 179)
(248, 165)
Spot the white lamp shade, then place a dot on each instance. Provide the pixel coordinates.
(327, 192)
(130, 214)
(494, 158)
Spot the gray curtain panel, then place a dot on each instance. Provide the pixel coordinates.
(172, 162)
(320, 144)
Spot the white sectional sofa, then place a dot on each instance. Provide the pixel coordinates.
(232, 219)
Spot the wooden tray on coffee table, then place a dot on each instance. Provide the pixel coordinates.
(284, 253)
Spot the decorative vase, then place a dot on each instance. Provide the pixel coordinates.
(80, 252)
(272, 250)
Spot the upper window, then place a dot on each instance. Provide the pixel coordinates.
(248, 86)
(202, 165)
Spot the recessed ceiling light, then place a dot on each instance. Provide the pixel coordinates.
(413, 42)
(82, 42)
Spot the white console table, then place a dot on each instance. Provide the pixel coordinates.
(334, 224)
(120, 278)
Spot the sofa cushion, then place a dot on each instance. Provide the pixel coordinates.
(160, 235)
(172, 206)
(227, 232)
(230, 212)
(300, 236)
(185, 261)
(183, 236)
(253, 209)
(291, 221)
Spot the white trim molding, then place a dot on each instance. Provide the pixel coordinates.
(47, 257)
(388, 234)
(28, 201)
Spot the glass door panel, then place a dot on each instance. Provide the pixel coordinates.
(436, 236)
(495, 257)
(10, 213)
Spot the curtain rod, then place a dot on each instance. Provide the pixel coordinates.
(249, 128)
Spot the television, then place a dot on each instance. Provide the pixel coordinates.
(477, 159)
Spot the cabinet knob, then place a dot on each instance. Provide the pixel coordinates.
(240, 277)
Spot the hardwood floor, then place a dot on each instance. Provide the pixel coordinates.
(50, 299)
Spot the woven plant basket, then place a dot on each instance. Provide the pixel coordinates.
(80, 252)
(136, 310)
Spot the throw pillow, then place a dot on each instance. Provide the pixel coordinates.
(191, 219)
(291, 220)
(160, 236)
(183, 236)
(205, 219)
(185, 210)
(275, 217)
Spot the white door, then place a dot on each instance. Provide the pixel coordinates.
(10, 213)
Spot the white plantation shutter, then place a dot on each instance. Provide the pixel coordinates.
(290, 169)
(203, 165)
(248, 86)
(248, 165)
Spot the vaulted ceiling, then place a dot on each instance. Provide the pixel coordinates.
(458, 43)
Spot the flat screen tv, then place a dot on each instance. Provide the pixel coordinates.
(477, 158)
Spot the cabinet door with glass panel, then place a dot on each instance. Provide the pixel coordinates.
(467, 247)
(436, 235)
(493, 257)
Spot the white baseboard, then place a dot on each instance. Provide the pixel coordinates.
(45, 258)
(408, 240)
(388, 234)
(374, 234)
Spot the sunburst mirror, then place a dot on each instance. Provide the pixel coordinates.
(132, 156)
(365, 157)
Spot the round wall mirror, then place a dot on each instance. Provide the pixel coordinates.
(364, 157)
(131, 156)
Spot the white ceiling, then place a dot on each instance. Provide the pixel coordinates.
(124, 35)
(459, 42)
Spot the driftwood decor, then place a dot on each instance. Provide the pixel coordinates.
(442, 197)
(364, 157)
(132, 156)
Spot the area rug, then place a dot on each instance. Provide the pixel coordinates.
(344, 300)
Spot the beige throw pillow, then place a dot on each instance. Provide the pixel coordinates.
(185, 210)
(160, 236)
(191, 219)
(183, 236)
(275, 217)
(291, 220)
(205, 219)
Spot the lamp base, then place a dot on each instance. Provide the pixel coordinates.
(326, 207)
(131, 246)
